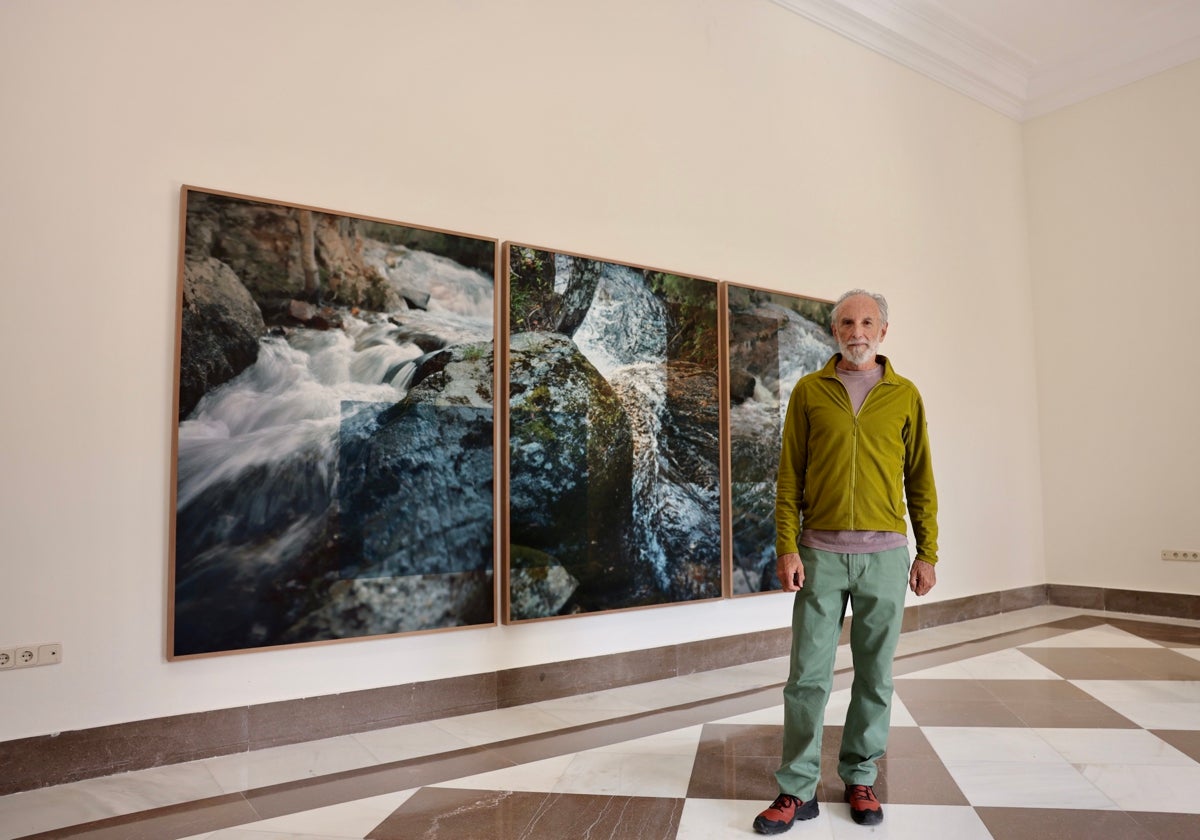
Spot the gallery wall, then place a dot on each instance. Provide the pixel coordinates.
(730, 139)
(1115, 222)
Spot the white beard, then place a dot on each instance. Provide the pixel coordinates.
(859, 354)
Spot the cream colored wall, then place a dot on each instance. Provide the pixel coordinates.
(727, 138)
(1115, 220)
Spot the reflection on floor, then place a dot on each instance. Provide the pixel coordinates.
(1045, 723)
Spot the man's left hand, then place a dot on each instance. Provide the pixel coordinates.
(922, 577)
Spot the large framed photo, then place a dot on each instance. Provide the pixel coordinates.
(334, 447)
(774, 339)
(613, 486)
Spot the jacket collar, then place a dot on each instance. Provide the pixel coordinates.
(830, 369)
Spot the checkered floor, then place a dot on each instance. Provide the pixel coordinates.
(1046, 723)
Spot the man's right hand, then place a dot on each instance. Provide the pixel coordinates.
(790, 571)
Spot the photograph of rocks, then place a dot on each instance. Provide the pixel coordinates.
(334, 428)
(613, 446)
(774, 339)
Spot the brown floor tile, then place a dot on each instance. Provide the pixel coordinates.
(1172, 635)
(962, 713)
(1060, 824)
(725, 777)
(1187, 741)
(1157, 663)
(500, 815)
(1169, 826)
(1088, 715)
(917, 691)
(917, 781)
(736, 762)
(1116, 663)
(1035, 691)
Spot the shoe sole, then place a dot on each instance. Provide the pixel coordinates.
(867, 817)
(806, 811)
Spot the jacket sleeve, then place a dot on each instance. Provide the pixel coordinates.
(919, 489)
(789, 481)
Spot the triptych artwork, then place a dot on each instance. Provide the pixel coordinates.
(380, 425)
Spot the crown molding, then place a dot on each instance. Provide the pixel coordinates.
(930, 42)
(923, 36)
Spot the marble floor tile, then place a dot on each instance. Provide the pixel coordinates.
(1104, 636)
(1145, 787)
(439, 813)
(1112, 746)
(276, 765)
(397, 743)
(1026, 784)
(721, 819)
(985, 743)
(347, 819)
(1021, 823)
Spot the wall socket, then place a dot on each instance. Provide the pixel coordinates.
(27, 656)
(1172, 554)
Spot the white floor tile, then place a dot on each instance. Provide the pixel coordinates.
(35, 811)
(1154, 704)
(720, 819)
(676, 742)
(1138, 787)
(1008, 664)
(348, 819)
(623, 774)
(991, 743)
(536, 776)
(913, 822)
(1114, 746)
(1027, 784)
(500, 724)
(260, 768)
(397, 743)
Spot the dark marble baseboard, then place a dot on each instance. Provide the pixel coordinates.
(31, 763)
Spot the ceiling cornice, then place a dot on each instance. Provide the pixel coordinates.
(923, 36)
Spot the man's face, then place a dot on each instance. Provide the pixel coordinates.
(859, 330)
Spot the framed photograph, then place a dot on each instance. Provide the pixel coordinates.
(613, 488)
(773, 340)
(334, 450)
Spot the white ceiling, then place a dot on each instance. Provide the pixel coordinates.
(1022, 57)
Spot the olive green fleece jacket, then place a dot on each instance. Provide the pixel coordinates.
(841, 472)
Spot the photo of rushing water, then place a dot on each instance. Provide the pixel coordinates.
(334, 448)
(614, 436)
(774, 339)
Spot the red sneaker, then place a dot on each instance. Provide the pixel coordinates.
(864, 807)
(785, 810)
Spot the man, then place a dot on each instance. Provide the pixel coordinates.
(855, 446)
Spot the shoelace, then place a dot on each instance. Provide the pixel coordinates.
(860, 792)
(785, 800)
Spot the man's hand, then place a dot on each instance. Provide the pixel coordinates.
(922, 577)
(790, 571)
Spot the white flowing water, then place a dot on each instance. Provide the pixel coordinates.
(288, 406)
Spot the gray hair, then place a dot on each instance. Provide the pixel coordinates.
(878, 298)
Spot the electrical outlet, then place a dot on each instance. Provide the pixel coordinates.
(1174, 554)
(28, 656)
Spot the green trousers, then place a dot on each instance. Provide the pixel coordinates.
(874, 586)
